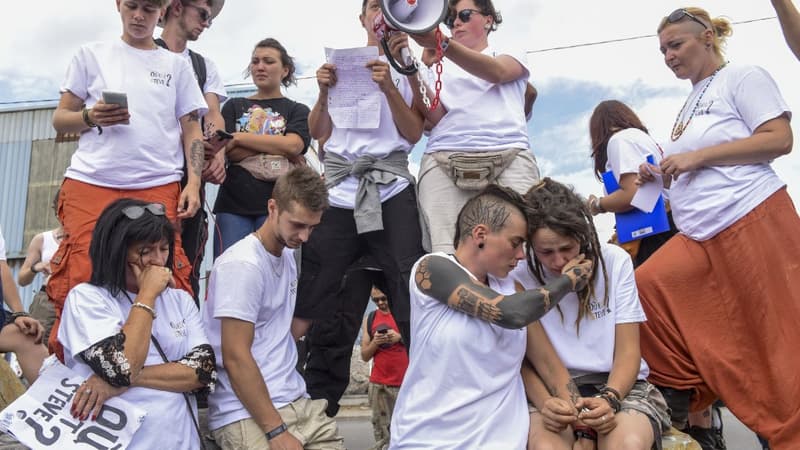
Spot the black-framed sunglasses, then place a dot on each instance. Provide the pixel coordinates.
(205, 16)
(679, 14)
(464, 15)
(136, 211)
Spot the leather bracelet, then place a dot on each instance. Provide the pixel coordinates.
(272, 434)
(17, 314)
(88, 121)
(608, 389)
(146, 308)
(613, 402)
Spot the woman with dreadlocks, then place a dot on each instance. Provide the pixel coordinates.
(595, 332)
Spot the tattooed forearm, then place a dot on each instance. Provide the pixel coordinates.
(196, 157)
(574, 393)
(471, 303)
(445, 281)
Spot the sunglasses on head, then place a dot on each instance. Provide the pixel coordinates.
(464, 15)
(679, 14)
(205, 16)
(136, 211)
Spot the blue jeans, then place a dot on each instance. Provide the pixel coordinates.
(231, 228)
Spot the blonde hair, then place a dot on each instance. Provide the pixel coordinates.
(721, 27)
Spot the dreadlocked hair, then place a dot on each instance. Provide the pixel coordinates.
(556, 206)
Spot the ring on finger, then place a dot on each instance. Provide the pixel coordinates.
(88, 390)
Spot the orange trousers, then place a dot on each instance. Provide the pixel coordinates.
(723, 319)
(79, 206)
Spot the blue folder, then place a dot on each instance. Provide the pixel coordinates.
(637, 224)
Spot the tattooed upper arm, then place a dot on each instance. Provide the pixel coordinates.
(445, 281)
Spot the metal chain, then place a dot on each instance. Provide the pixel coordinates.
(431, 105)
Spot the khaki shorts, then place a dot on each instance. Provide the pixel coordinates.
(305, 419)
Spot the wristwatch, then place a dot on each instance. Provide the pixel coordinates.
(272, 434)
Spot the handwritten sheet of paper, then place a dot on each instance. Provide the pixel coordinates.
(647, 195)
(41, 417)
(355, 100)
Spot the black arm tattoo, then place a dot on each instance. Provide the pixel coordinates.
(443, 280)
(196, 157)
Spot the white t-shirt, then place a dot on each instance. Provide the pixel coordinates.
(213, 83)
(161, 88)
(709, 200)
(463, 387)
(592, 350)
(351, 143)
(481, 116)
(250, 284)
(91, 314)
(628, 149)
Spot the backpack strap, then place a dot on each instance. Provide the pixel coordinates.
(198, 63)
(199, 66)
(370, 321)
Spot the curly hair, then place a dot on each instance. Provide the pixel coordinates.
(557, 207)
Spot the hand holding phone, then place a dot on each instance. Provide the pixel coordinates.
(215, 142)
(116, 98)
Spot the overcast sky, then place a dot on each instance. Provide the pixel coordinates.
(36, 46)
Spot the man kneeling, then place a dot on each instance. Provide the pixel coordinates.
(260, 401)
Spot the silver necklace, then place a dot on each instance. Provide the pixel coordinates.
(679, 127)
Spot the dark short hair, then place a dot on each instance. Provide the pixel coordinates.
(286, 60)
(491, 207)
(486, 7)
(303, 186)
(114, 233)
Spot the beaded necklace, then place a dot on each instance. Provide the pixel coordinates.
(679, 127)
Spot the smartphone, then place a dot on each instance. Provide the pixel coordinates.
(117, 98)
(223, 135)
(383, 331)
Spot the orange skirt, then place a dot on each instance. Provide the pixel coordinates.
(79, 206)
(723, 319)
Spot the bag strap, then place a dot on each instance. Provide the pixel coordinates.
(370, 321)
(185, 395)
(198, 63)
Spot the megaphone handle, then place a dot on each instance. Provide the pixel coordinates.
(406, 56)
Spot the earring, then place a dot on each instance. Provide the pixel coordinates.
(487, 26)
(480, 246)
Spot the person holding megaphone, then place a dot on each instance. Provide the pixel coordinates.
(478, 130)
(372, 194)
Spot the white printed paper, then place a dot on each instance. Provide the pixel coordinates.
(647, 195)
(355, 100)
(41, 417)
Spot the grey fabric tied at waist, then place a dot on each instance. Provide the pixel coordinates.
(370, 171)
